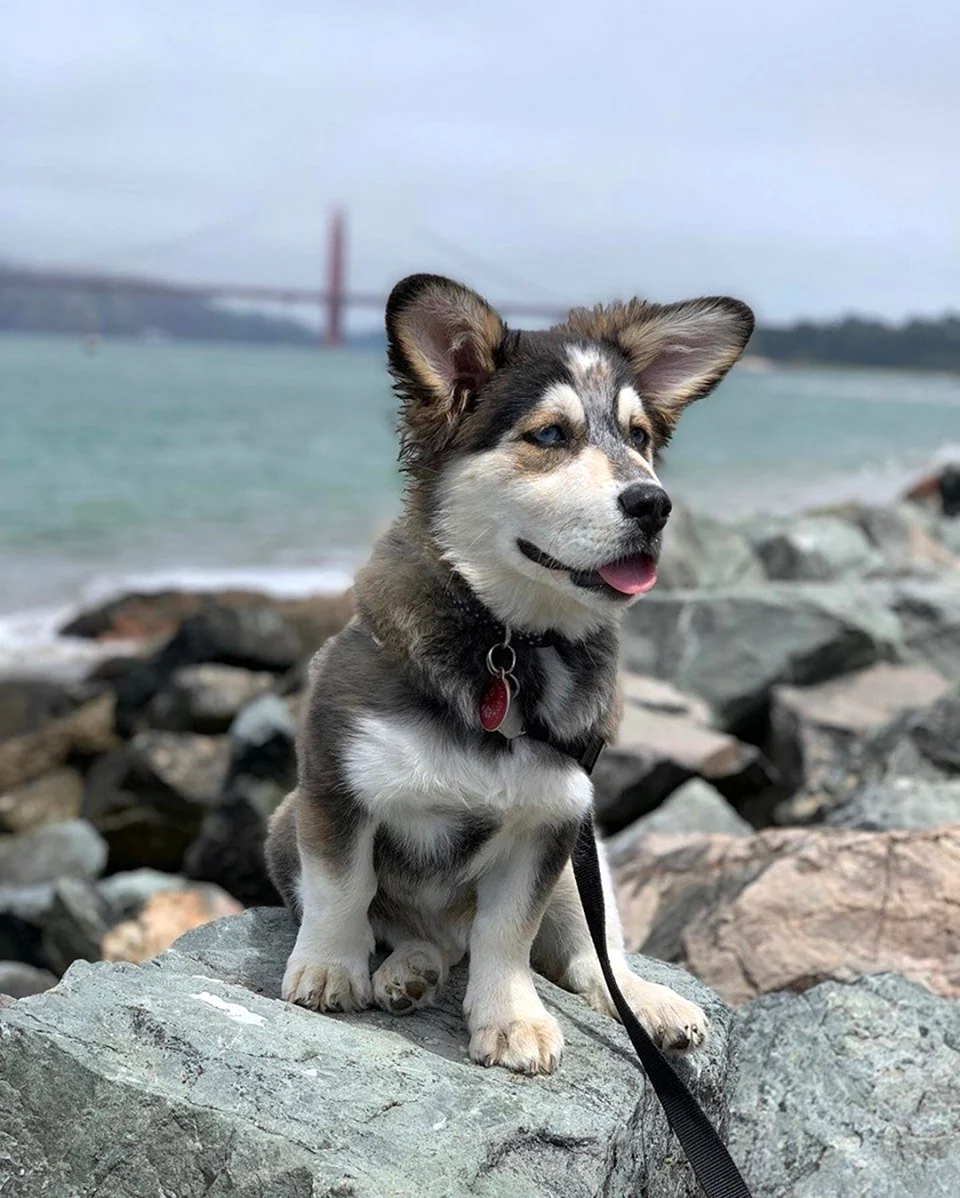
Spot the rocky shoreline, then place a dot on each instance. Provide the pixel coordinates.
(783, 813)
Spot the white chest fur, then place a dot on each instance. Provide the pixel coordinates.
(403, 766)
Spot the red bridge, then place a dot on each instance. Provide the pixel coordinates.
(332, 299)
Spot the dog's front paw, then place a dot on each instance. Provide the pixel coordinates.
(532, 1045)
(334, 986)
(674, 1024)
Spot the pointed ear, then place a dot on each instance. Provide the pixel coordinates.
(679, 352)
(442, 341)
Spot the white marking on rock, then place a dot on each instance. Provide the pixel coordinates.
(232, 1010)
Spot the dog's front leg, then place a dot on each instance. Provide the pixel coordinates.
(329, 968)
(508, 1023)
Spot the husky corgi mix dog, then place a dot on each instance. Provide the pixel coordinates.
(533, 516)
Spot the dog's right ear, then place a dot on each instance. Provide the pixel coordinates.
(442, 340)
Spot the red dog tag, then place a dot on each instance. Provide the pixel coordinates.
(495, 704)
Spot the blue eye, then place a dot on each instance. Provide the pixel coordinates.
(547, 437)
(638, 438)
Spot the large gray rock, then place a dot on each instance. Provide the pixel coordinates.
(813, 727)
(929, 612)
(188, 1077)
(899, 803)
(694, 807)
(206, 698)
(199, 1073)
(69, 850)
(20, 981)
(848, 1090)
(816, 549)
(699, 551)
(731, 647)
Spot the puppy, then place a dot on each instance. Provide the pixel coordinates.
(439, 796)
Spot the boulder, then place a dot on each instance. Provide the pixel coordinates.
(699, 551)
(263, 770)
(813, 727)
(904, 538)
(787, 908)
(70, 850)
(287, 1103)
(128, 892)
(19, 981)
(655, 753)
(732, 647)
(158, 615)
(206, 698)
(23, 910)
(164, 918)
(694, 807)
(149, 798)
(852, 1090)
(249, 638)
(75, 925)
(86, 731)
(26, 704)
(899, 803)
(929, 613)
(816, 548)
(50, 799)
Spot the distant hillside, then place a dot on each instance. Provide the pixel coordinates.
(917, 344)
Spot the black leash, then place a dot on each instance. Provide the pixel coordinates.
(712, 1164)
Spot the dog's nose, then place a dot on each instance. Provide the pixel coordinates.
(647, 503)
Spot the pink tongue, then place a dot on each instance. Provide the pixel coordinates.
(631, 576)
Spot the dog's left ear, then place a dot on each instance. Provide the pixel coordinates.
(442, 340)
(679, 352)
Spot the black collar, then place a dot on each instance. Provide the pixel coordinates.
(464, 598)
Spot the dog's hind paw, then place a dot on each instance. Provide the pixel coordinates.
(409, 978)
(675, 1024)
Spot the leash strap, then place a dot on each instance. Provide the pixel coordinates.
(712, 1164)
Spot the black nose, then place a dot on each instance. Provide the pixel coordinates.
(647, 503)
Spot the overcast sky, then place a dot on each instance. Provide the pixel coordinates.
(804, 156)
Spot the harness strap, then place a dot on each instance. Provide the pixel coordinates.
(712, 1164)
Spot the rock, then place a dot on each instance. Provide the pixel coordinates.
(127, 893)
(206, 698)
(899, 803)
(655, 753)
(75, 925)
(249, 638)
(731, 647)
(816, 549)
(695, 807)
(919, 745)
(813, 727)
(787, 908)
(929, 613)
(286, 1103)
(26, 704)
(70, 850)
(159, 615)
(701, 552)
(940, 488)
(149, 798)
(165, 917)
(903, 538)
(852, 1090)
(23, 910)
(19, 981)
(50, 799)
(86, 731)
(263, 770)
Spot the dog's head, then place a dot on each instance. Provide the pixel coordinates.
(533, 452)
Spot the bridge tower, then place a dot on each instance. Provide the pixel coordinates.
(336, 270)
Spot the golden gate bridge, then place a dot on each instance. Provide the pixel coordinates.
(332, 299)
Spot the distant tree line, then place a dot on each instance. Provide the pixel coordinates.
(917, 344)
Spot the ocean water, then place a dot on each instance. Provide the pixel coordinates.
(151, 463)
